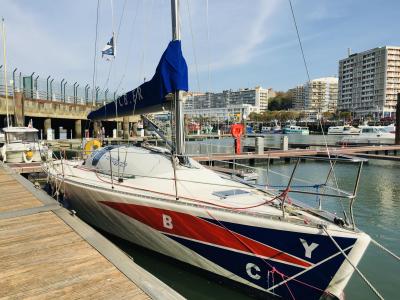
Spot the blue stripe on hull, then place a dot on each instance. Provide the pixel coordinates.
(236, 263)
(288, 241)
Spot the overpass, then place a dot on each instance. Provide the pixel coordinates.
(54, 104)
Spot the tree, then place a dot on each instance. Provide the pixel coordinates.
(345, 115)
(327, 115)
(282, 101)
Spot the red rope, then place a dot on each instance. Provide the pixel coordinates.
(188, 198)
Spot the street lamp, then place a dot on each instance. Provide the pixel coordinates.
(47, 87)
(74, 87)
(51, 89)
(65, 83)
(15, 70)
(61, 89)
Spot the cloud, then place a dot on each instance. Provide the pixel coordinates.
(33, 45)
(251, 36)
(236, 29)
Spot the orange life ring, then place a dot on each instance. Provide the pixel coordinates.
(237, 130)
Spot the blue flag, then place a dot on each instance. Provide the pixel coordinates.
(109, 49)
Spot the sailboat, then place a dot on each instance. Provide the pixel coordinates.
(163, 200)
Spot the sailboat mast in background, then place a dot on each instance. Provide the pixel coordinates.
(5, 68)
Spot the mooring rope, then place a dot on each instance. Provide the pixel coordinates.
(385, 249)
(355, 268)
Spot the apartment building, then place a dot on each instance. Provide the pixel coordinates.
(257, 97)
(369, 82)
(319, 95)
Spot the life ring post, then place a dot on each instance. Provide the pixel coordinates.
(237, 132)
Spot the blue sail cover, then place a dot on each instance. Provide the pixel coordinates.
(171, 75)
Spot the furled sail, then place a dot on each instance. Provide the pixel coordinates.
(171, 75)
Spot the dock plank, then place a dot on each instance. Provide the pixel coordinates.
(41, 257)
(13, 195)
(45, 253)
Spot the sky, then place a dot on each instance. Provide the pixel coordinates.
(233, 44)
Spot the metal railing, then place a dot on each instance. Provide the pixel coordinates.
(34, 86)
(294, 184)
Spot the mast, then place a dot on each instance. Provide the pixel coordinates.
(178, 97)
(5, 68)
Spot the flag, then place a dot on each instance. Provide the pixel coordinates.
(109, 49)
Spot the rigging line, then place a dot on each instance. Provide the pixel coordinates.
(115, 37)
(309, 80)
(385, 249)
(298, 37)
(193, 44)
(354, 267)
(129, 46)
(95, 52)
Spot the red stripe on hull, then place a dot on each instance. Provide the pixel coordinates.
(195, 228)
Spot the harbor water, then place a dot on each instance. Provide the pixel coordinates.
(376, 210)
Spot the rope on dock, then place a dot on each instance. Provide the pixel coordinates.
(385, 249)
(355, 268)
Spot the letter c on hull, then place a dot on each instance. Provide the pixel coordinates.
(251, 268)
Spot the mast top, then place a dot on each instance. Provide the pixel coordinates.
(176, 32)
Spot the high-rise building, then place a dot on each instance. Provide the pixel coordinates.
(369, 82)
(298, 99)
(318, 95)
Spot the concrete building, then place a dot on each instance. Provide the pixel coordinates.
(298, 98)
(317, 96)
(257, 97)
(369, 82)
(228, 105)
(232, 113)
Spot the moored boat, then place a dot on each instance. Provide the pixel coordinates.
(211, 221)
(293, 129)
(21, 145)
(343, 130)
(370, 135)
(164, 200)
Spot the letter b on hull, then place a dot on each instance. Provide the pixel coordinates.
(167, 222)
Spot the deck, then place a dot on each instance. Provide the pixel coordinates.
(276, 154)
(45, 252)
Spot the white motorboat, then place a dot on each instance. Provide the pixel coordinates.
(21, 145)
(371, 135)
(163, 200)
(390, 128)
(293, 129)
(343, 130)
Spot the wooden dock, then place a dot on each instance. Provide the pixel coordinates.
(45, 252)
(278, 154)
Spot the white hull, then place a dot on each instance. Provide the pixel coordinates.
(18, 157)
(88, 199)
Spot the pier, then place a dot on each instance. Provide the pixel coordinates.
(48, 252)
(371, 152)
